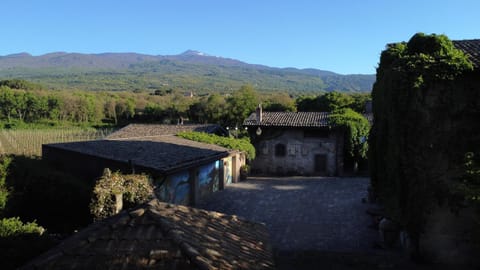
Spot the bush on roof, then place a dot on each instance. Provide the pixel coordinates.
(242, 144)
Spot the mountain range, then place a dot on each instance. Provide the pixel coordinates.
(191, 70)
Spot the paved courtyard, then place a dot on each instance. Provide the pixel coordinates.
(303, 213)
(314, 222)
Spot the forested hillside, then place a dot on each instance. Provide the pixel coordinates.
(25, 102)
(189, 71)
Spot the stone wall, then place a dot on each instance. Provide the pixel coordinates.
(304, 153)
(451, 238)
(86, 166)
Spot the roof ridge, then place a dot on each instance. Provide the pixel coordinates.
(467, 39)
(136, 137)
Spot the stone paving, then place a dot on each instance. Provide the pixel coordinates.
(303, 213)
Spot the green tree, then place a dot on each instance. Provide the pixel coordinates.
(280, 103)
(241, 104)
(54, 104)
(125, 108)
(20, 84)
(7, 102)
(196, 112)
(216, 109)
(359, 101)
(307, 104)
(20, 104)
(335, 100)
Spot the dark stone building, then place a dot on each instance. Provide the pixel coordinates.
(453, 237)
(295, 143)
(423, 166)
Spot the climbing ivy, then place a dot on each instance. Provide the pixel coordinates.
(356, 128)
(134, 189)
(425, 102)
(469, 184)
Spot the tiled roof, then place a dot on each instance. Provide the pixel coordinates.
(162, 153)
(470, 47)
(163, 236)
(289, 119)
(146, 130)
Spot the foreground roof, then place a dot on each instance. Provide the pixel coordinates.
(148, 130)
(470, 47)
(163, 236)
(161, 153)
(289, 119)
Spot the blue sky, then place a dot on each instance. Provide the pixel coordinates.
(344, 36)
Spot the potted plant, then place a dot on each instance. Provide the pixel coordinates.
(244, 171)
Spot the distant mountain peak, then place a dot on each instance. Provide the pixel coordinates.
(193, 53)
(22, 54)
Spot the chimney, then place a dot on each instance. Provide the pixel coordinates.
(259, 113)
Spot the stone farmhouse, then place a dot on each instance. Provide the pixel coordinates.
(295, 143)
(157, 235)
(184, 171)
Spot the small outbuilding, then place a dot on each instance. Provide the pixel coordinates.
(183, 171)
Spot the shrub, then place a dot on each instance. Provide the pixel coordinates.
(15, 227)
(244, 171)
(4, 165)
(134, 189)
(20, 242)
(242, 144)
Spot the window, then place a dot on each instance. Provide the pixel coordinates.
(280, 150)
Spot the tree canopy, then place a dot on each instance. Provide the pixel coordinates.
(332, 101)
(241, 104)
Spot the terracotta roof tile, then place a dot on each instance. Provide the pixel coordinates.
(160, 237)
(148, 130)
(471, 47)
(289, 119)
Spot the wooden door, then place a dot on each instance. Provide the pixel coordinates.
(321, 164)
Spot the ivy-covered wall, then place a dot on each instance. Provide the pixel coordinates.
(426, 106)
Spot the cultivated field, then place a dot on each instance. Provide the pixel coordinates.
(29, 142)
